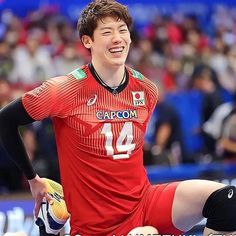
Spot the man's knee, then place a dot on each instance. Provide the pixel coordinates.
(143, 231)
(220, 209)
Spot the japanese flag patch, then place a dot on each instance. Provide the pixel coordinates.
(138, 98)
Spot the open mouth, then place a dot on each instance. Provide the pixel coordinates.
(116, 50)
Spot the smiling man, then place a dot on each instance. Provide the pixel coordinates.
(100, 113)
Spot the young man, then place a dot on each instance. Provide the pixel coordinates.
(100, 112)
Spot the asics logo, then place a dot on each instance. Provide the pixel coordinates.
(92, 100)
(230, 193)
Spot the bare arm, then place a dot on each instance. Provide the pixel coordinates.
(163, 135)
(228, 145)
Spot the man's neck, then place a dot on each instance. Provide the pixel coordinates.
(111, 76)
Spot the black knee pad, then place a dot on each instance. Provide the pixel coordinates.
(220, 209)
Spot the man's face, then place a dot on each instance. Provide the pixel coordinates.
(111, 42)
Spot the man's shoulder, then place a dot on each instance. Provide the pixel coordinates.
(144, 83)
(140, 77)
(79, 73)
(73, 78)
(136, 74)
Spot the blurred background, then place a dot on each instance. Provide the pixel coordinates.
(187, 48)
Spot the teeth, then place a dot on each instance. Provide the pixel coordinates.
(116, 49)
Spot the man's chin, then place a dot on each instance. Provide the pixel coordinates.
(119, 62)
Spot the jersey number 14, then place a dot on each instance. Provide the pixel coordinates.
(124, 145)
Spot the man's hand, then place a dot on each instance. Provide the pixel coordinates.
(39, 191)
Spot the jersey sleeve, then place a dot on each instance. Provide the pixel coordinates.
(46, 100)
(153, 95)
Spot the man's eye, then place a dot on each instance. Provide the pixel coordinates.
(123, 30)
(106, 32)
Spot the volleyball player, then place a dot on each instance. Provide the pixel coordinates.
(100, 112)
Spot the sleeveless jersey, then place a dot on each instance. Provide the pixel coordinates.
(99, 139)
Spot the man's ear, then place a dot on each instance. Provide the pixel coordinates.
(87, 41)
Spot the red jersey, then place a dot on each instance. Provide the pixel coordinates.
(99, 139)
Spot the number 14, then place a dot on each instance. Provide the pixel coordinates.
(124, 143)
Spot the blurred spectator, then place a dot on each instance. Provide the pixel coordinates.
(38, 149)
(15, 31)
(222, 128)
(164, 140)
(10, 175)
(145, 58)
(172, 76)
(222, 61)
(68, 59)
(205, 80)
(32, 62)
(227, 141)
(168, 147)
(5, 93)
(6, 61)
(46, 147)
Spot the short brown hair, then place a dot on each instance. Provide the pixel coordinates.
(99, 9)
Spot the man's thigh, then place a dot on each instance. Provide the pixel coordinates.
(143, 231)
(154, 210)
(158, 208)
(189, 200)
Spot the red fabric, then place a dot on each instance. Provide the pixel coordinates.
(154, 209)
(101, 192)
(158, 211)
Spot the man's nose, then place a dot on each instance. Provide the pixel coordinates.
(116, 37)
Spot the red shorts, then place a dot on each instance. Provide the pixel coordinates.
(154, 210)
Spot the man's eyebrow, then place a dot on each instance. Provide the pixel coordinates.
(122, 25)
(105, 28)
(109, 28)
